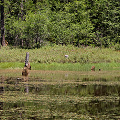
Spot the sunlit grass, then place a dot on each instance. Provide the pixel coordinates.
(62, 67)
(51, 54)
(53, 58)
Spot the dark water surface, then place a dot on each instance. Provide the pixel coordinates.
(38, 98)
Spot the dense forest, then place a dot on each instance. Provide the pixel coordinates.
(33, 23)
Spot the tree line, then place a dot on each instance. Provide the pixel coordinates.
(32, 23)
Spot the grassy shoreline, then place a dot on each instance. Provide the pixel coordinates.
(63, 67)
(53, 58)
(51, 54)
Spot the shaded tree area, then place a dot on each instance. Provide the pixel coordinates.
(32, 23)
(105, 17)
(2, 24)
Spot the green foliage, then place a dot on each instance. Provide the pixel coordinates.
(71, 26)
(117, 46)
(105, 19)
(29, 24)
(58, 23)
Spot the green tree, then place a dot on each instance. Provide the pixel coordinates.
(105, 18)
(70, 24)
(2, 24)
(78, 22)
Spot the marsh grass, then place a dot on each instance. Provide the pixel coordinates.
(51, 54)
(62, 67)
(53, 58)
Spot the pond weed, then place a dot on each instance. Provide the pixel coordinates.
(59, 94)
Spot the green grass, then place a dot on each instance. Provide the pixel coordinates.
(76, 66)
(11, 65)
(52, 58)
(50, 54)
(62, 67)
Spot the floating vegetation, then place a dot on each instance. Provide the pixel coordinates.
(59, 95)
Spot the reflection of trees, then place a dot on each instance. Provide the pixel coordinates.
(93, 99)
(15, 109)
(1, 85)
(27, 87)
(1, 90)
(100, 90)
(1, 108)
(119, 94)
(26, 84)
(106, 90)
(25, 79)
(1, 105)
(1, 94)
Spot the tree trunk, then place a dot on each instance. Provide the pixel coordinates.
(22, 18)
(2, 24)
(22, 10)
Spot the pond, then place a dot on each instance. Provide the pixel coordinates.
(59, 95)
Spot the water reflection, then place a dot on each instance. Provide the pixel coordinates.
(1, 95)
(1, 90)
(58, 101)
